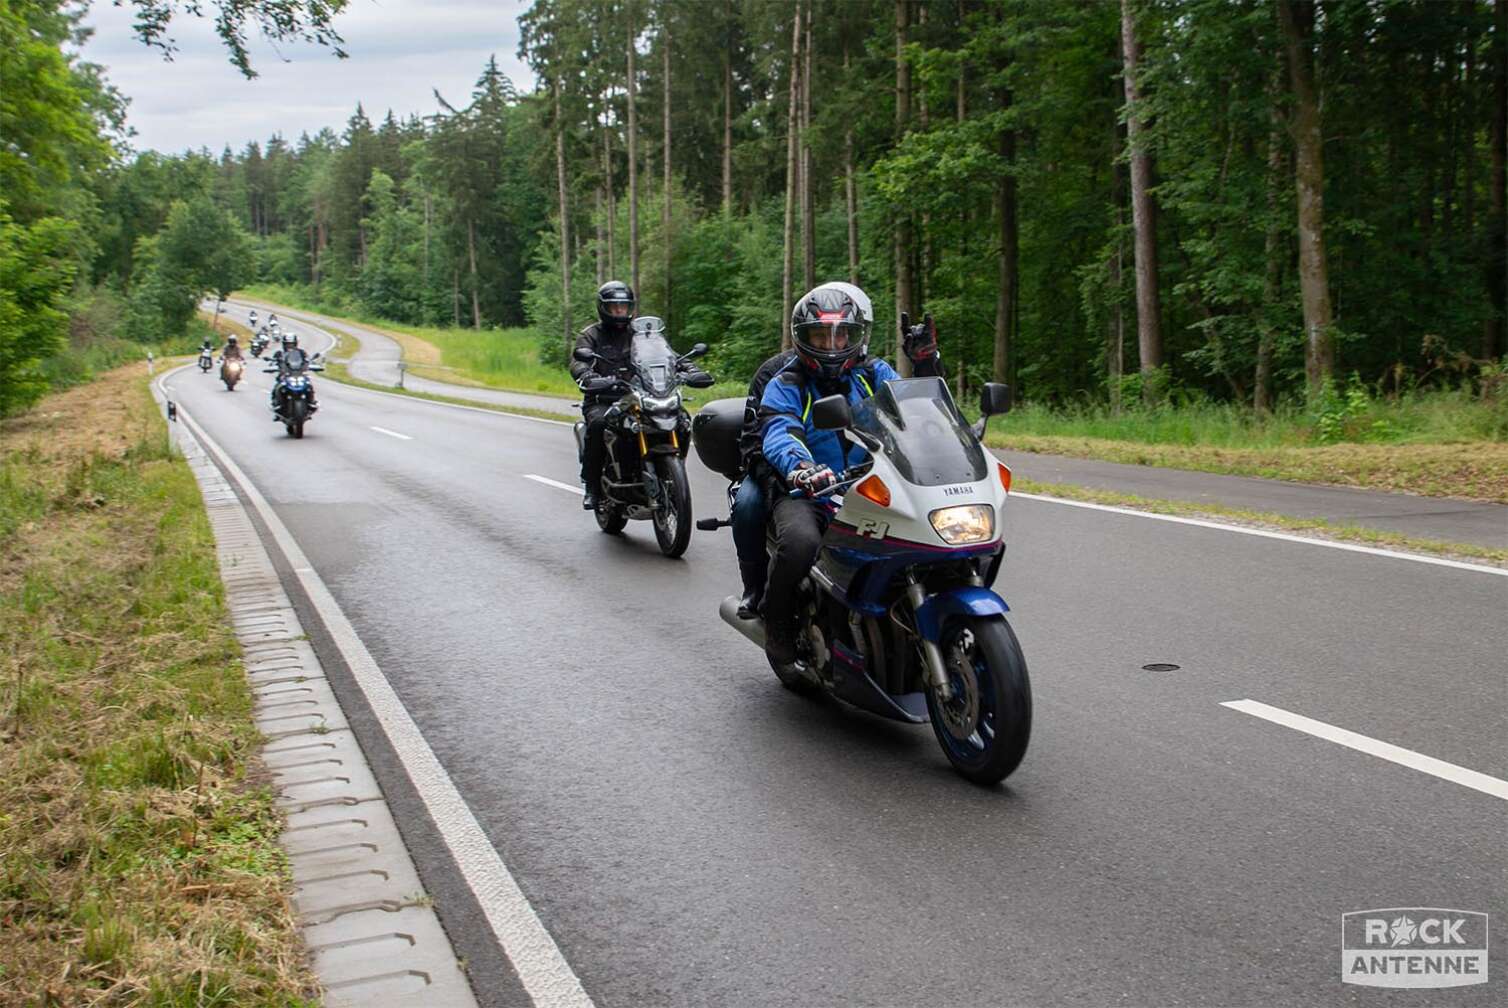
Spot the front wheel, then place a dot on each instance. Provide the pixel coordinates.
(985, 727)
(672, 520)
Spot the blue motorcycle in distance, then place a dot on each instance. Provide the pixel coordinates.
(897, 616)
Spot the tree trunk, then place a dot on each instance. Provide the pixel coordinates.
(633, 162)
(428, 214)
(666, 238)
(476, 304)
(455, 293)
(1497, 230)
(923, 276)
(1273, 252)
(1143, 213)
(1116, 352)
(902, 227)
(601, 256)
(1297, 17)
(565, 227)
(808, 211)
(728, 109)
(1007, 297)
(850, 195)
(790, 181)
(612, 202)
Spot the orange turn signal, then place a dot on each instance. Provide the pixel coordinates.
(874, 489)
(1005, 478)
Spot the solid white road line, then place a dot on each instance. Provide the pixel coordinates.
(1266, 534)
(536, 958)
(392, 433)
(554, 483)
(1384, 750)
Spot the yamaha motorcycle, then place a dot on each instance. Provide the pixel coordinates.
(897, 614)
(292, 391)
(646, 437)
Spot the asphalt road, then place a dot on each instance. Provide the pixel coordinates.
(692, 834)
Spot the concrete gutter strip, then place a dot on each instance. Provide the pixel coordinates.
(371, 932)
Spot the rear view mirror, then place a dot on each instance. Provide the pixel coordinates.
(995, 399)
(832, 413)
(697, 349)
(583, 354)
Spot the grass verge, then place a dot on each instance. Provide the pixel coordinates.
(139, 859)
(1473, 471)
(1319, 528)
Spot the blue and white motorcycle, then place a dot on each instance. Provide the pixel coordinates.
(293, 401)
(897, 616)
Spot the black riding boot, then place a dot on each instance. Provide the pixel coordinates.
(753, 575)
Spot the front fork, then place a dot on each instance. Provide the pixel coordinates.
(932, 659)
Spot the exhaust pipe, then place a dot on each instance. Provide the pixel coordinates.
(750, 628)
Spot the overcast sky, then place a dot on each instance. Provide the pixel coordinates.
(400, 51)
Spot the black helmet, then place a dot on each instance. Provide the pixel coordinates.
(231, 339)
(833, 310)
(290, 340)
(611, 295)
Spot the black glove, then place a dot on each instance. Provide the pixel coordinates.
(811, 479)
(598, 383)
(918, 342)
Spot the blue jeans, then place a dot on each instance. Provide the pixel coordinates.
(750, 513)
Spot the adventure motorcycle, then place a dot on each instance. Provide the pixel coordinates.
(206, 360)
(292, 391)
(897, 616)
(231, 369)
(646, 437)
(259, 343)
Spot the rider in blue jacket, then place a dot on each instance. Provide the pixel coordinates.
(830, 332)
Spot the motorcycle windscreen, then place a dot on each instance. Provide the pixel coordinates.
(922, 433)
(294, 360)
(650, 354)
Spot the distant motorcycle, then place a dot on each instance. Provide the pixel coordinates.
(259, 343)
(647, 437)
(897, 614)
(206, 361)
(231, 369)
(293, 391)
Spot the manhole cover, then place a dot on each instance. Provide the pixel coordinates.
(1160, 667)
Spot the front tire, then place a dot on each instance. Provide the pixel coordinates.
(672, 520)
(298, 412)
(985, 728)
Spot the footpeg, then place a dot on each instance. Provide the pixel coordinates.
(712, 524)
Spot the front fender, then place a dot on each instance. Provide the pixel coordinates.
(966, 601)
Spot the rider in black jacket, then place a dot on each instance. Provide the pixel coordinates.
(609, 339)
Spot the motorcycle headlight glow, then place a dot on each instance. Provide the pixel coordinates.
(964, 524)
(655, 404)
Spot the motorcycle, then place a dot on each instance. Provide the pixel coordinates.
(231, 369)
(646, 437)
(292, 391)
(206, 360)
(896, 614)
(259, 343)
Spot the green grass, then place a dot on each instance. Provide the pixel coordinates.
(141, 863)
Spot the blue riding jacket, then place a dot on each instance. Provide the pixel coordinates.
(785, 417)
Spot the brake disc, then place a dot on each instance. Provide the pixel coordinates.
(961, 714)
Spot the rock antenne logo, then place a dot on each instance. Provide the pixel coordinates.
(1417, 947)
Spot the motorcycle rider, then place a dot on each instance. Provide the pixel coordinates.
(252, 318)
(609, 338)
(830, 333)
(751, 504)
(289, 341)
(232, 349)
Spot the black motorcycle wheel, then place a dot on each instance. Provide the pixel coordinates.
(610, 519)
(298, 412)
(985, 728)
(672, 520)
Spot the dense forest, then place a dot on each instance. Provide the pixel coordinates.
(1179, 200)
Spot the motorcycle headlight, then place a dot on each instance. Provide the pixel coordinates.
(964, 524)
(657, 404)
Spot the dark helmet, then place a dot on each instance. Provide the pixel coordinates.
(610, 297)
(830, 329)
(290, 340)
(231, 339)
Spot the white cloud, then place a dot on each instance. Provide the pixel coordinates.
(400, 51)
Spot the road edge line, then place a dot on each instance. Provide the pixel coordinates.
(532, 951)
